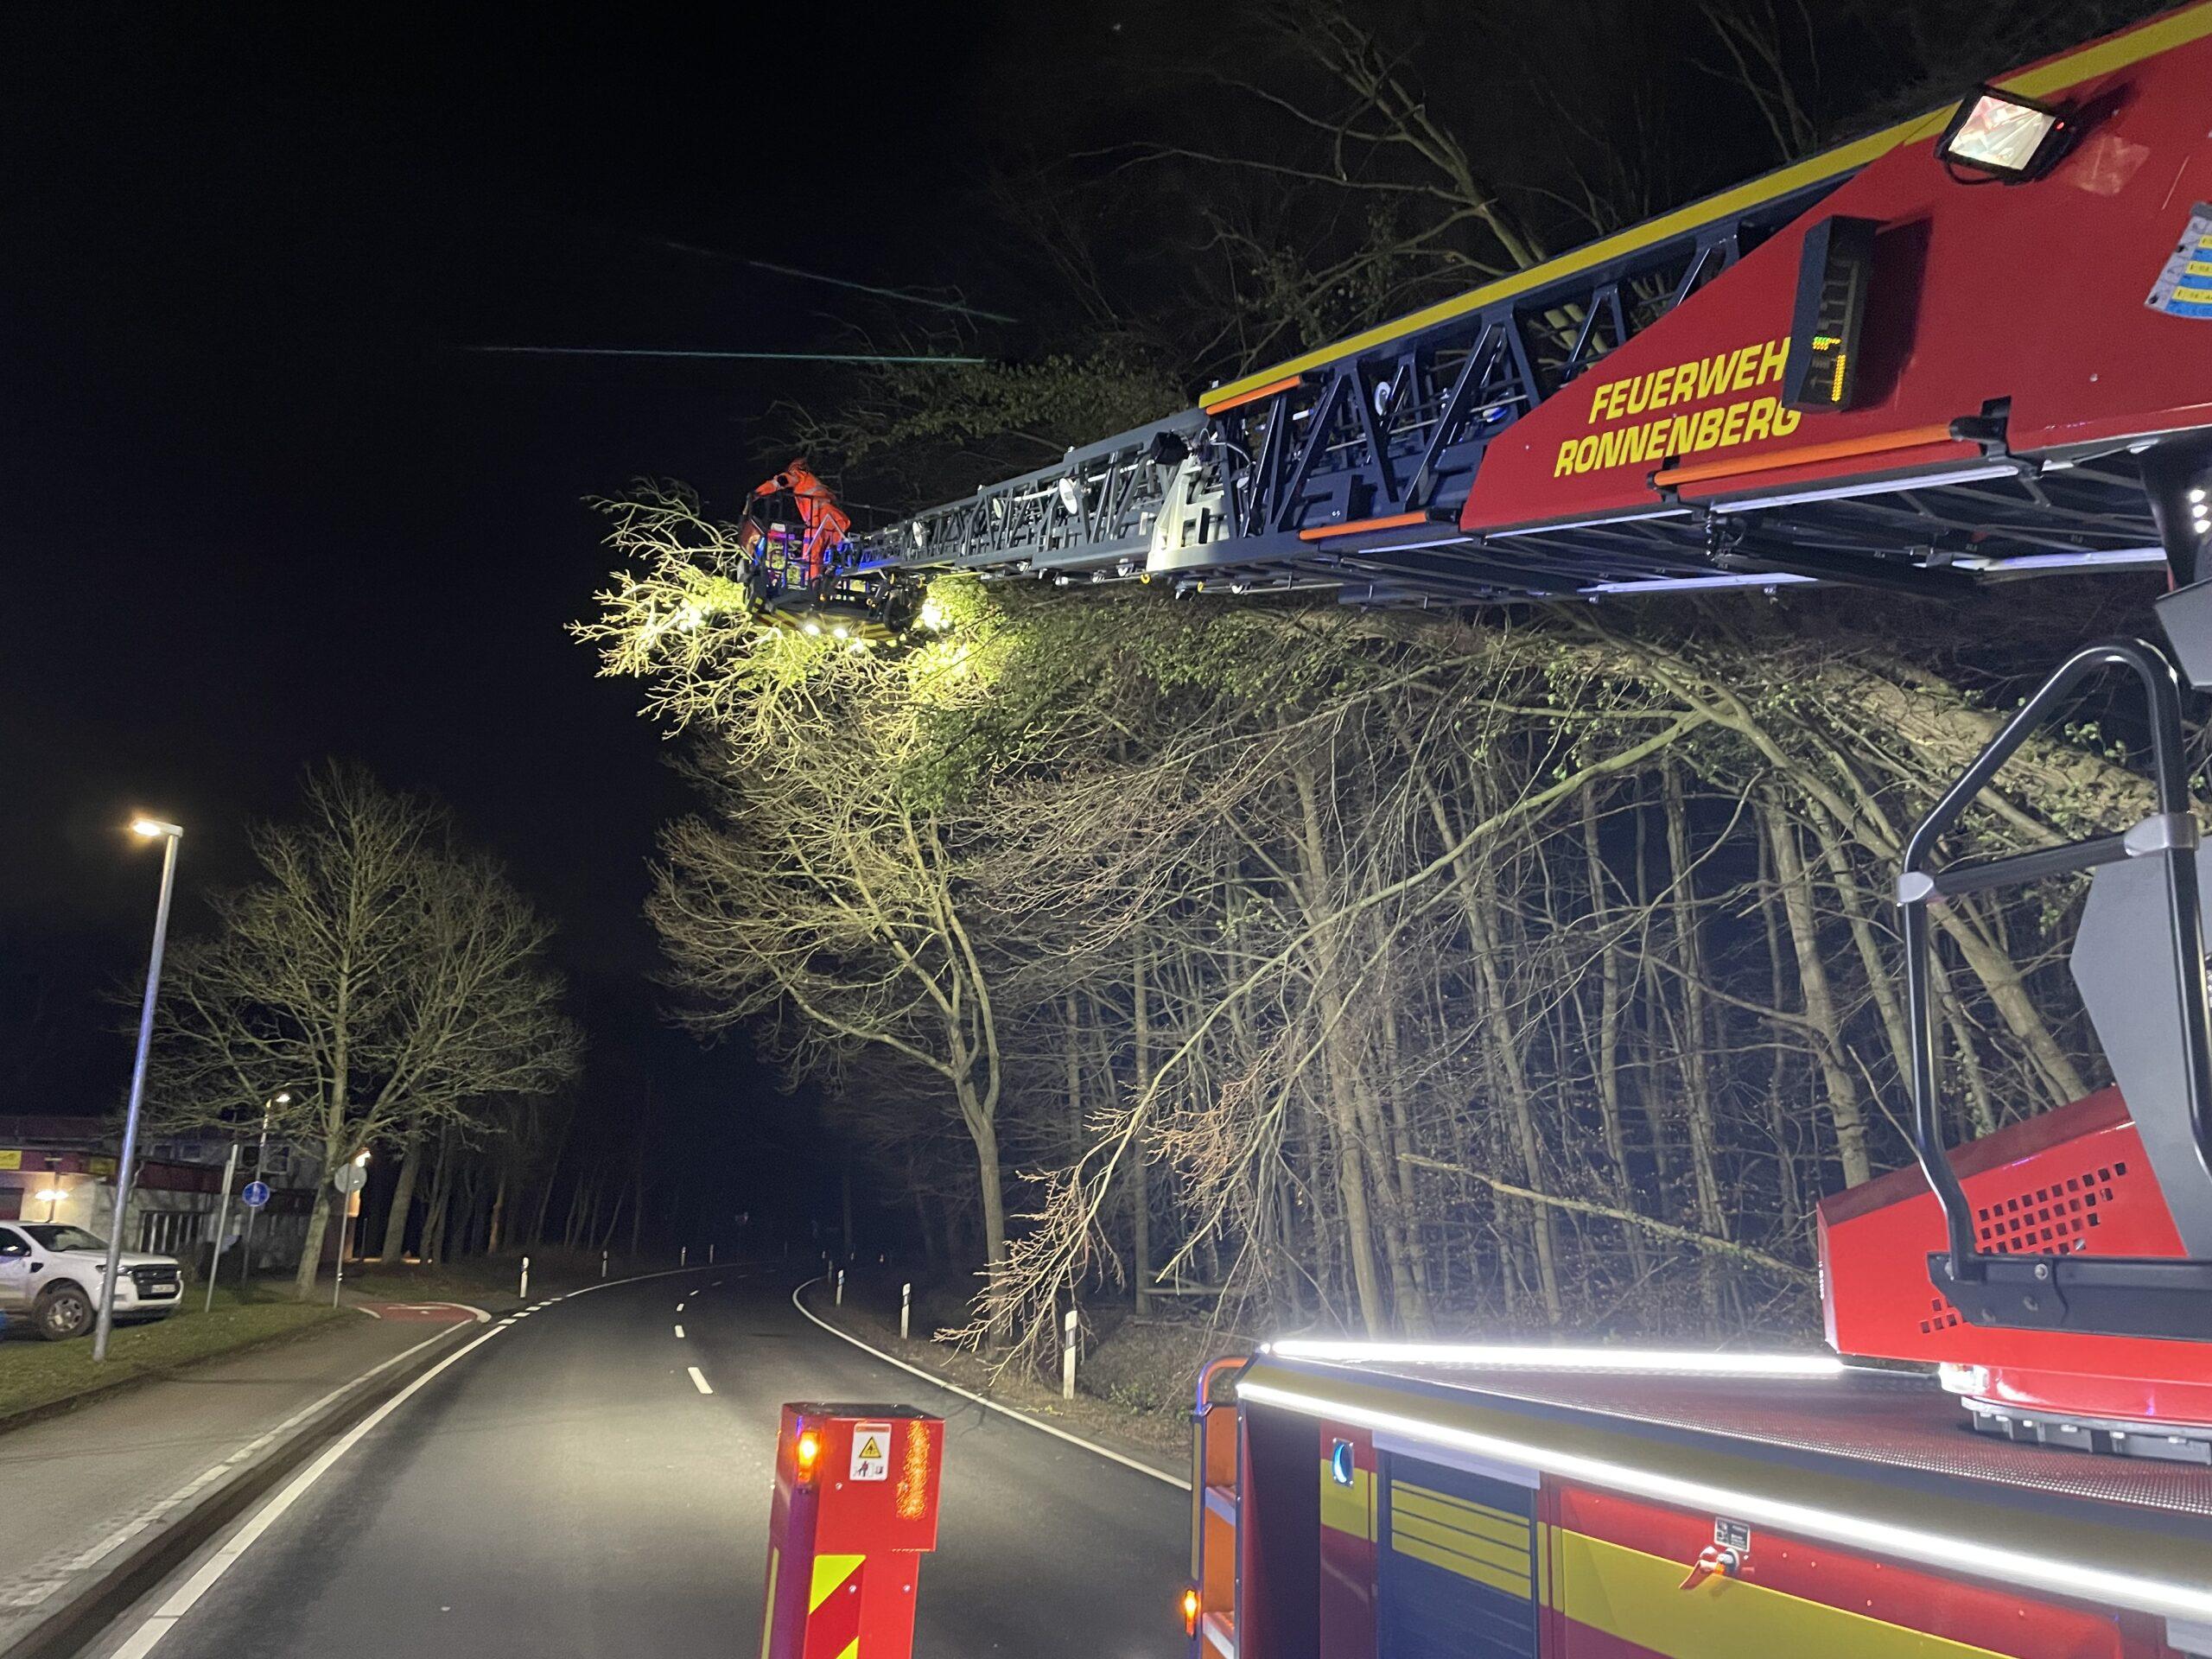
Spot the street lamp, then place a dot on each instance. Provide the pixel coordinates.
(169, 835)
(281, 1097)
(51, 1196)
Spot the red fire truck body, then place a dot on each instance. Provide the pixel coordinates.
(1402, 1507)
(2009, 1450)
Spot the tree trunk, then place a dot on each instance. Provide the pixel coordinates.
(1607, 1059)
(402, 1200)
(614, 1219)
(1696, 1075)
(1139, 1185)
(442, 1177)
(311, 1252)
(1846, 1118)
(499, 1212)
(985, 1135)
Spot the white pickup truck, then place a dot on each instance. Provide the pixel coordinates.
(52, 1273)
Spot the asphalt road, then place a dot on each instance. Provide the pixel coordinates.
(567, 1489)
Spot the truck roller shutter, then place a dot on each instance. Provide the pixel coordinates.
(1456, 1564)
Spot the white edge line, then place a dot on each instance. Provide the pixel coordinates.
(151, 1629)
(1108, 1453)
(140, 1522)
(469, 1308)
(149, 1632)
(699, 1380)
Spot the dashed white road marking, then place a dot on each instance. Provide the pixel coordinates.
(699, 1380)
(679, 1333)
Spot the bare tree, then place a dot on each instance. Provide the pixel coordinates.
(390, 982)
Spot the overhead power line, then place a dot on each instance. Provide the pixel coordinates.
(750, 357)
(931, 300)
(859, 288)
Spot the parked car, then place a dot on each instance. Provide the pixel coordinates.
(52, 1273)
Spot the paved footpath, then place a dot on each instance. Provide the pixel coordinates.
(83, 1486)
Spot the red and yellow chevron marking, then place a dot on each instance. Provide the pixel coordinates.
(833, 1608)
(768, 1604)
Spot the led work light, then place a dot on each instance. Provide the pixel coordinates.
(2004, 136)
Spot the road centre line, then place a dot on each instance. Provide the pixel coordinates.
(679, 1333)
(635, 1278)
(698, 1381)
(1037, 1423)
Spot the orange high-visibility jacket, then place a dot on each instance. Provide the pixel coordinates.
(826, 524)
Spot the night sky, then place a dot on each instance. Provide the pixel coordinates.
(261, 508)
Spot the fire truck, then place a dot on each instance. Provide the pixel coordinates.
(2008, 1449)
(1973, 346)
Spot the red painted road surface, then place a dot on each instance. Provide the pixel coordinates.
(430, 1313)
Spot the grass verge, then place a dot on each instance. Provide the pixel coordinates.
(34, 1374)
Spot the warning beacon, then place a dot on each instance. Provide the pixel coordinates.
(856, 1510)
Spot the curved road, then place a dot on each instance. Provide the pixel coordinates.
(567, 1490)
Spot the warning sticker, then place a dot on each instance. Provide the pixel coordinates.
(871, 1450)
(2184, 287)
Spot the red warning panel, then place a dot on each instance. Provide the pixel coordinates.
(2038, 300)
(855, 1512)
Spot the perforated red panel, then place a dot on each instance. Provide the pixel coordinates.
(2056, 1219)
(2075, 1180)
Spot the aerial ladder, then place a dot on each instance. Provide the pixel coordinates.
(1971, 348)
(1881, 366)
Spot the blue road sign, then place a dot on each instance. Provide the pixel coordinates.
(255, 1195)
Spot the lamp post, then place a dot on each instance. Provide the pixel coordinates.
(281, 1097)
(170, 834)
(51, 1196)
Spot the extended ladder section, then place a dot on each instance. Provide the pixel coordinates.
(1865, 368)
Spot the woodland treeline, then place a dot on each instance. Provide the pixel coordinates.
(1531, 967)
